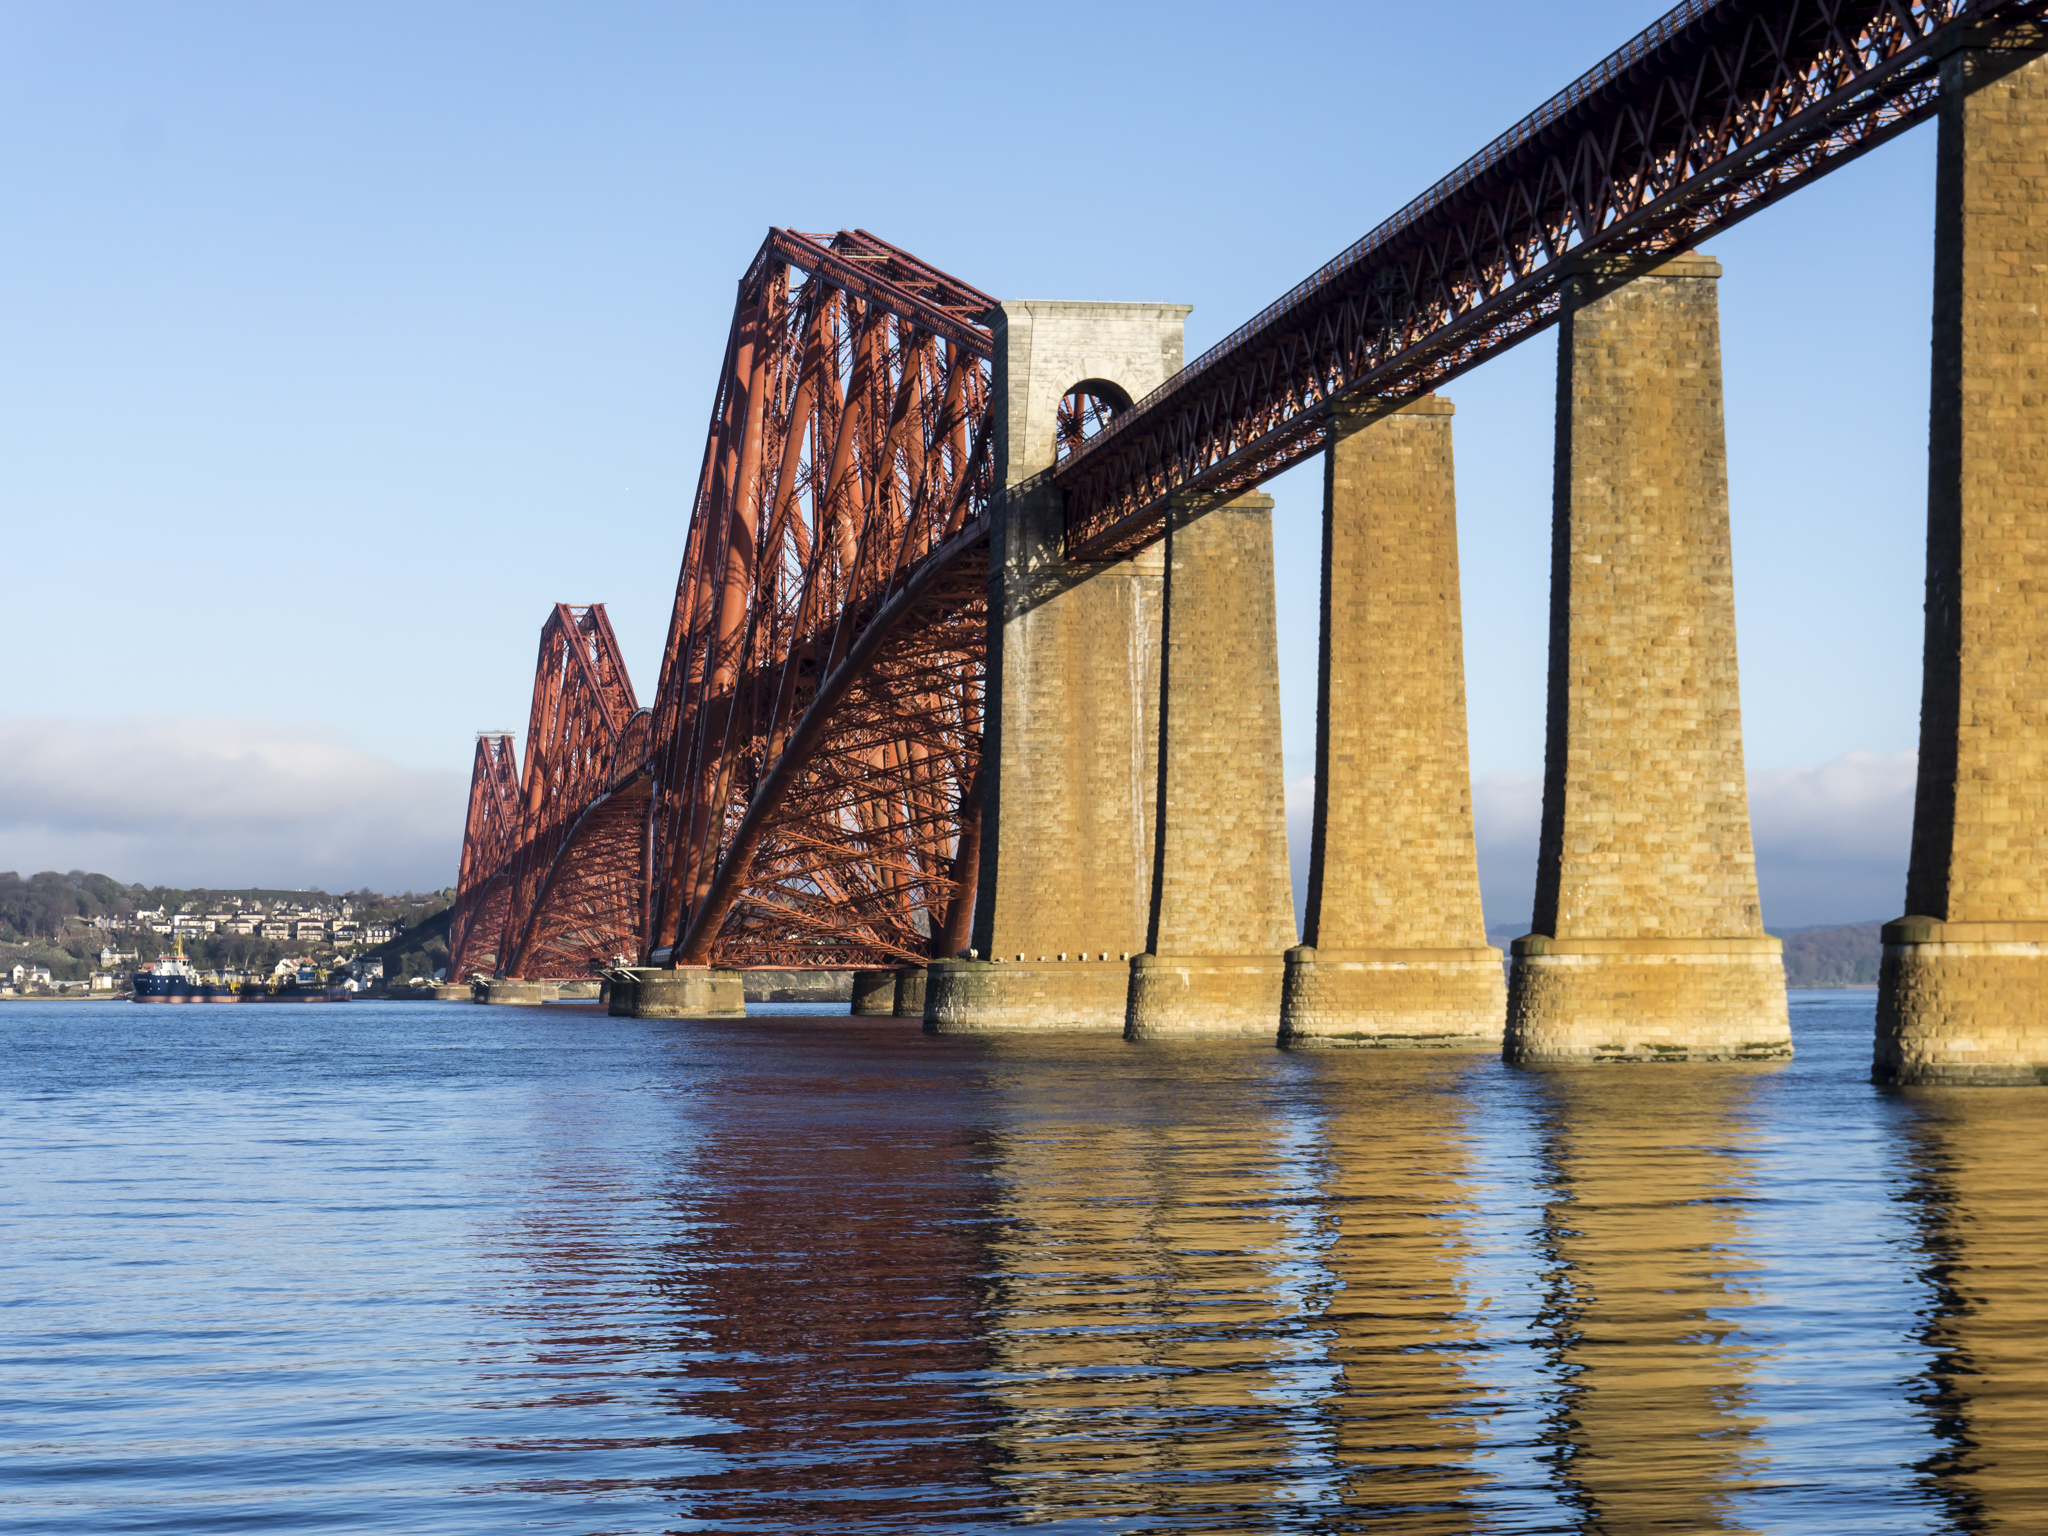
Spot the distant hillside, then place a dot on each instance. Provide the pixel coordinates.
(419, 951)
(1814, 957)
(1833, 957)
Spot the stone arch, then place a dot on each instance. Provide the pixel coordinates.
(1085, 409)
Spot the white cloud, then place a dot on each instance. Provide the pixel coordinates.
(179, 800)
(1831, 841)
(1507, 816)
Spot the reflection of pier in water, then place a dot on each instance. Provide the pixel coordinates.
(1209, 1289)
(1649, 1255)
(1149, 1264)
(1977, 1159)
(1408, 1411)
(1198, 1316)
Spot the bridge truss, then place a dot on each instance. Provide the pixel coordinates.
(805, 790)
(1718, 110)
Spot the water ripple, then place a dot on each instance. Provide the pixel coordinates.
(434, 1268)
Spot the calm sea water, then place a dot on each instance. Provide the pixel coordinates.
(441, 1268)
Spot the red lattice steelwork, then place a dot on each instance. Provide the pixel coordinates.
(1720, 109)
(806, 792)
(554, 866)
(490, 837)
(818, 724)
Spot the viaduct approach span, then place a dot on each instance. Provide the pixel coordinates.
(970, 674)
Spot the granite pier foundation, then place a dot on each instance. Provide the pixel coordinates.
(1070, 752)
(1394, 952)
(690, 992)
(1222, 912)
(1963, 986)
(1648, 943)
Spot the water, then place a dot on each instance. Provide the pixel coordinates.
(438, 1268)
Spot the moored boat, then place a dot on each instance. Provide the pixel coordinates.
(171, 979)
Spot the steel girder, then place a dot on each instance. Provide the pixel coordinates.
(817, 729)
(1718, 110)
(490, 835)
(557, 893)
(808, 784)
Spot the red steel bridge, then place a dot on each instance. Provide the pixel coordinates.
(804, 790)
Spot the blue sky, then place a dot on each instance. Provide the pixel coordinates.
(342, 340)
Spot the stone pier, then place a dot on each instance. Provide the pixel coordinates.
(503, 990)
(1395, 950)
(1222, 913)
(690, 992)
(874, 994)
(1648, 943)
(908, 995)
(1070, 749)
(1963, 989)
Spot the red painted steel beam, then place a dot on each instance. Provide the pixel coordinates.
(562, 900)
(1718, 110)
(816, 732)
(489, 836)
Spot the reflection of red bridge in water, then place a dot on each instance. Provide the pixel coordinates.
(807, 787)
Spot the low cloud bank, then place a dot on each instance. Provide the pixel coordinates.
(1831, 841)
(176, 800)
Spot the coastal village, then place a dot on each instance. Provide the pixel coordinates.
(81, 936)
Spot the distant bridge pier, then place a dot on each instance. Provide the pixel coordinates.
(1070, 749)
(874, 994)
(1222, 913)
(1395, 950)
(1648, 943)
(1963, 990)
(897, 993)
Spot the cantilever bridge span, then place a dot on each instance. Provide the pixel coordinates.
(806, 788)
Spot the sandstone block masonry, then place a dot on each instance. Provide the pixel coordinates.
(1963, 989)
(874, 994)
(1395, 951)
(1648, 943)
(1070, 749)
(689, 992)
(1222, 909)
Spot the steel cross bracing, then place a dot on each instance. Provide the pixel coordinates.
(1721, 108)
(817, 729)
(553, 867)
(806, 790)
(490, 837)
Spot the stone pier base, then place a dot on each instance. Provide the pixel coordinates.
(690, 992)
(522, 994)
(1961, 1003)
(972, 996)
(1584, 1000)
(454, 992)
(1176, 996)
(909, 993)
(874, 994)
(1441, 999)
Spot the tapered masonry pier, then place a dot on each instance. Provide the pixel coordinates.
(1070, 750)
(1963, 987)
(1222, 914)
(1648, 943)
(1395, 951)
